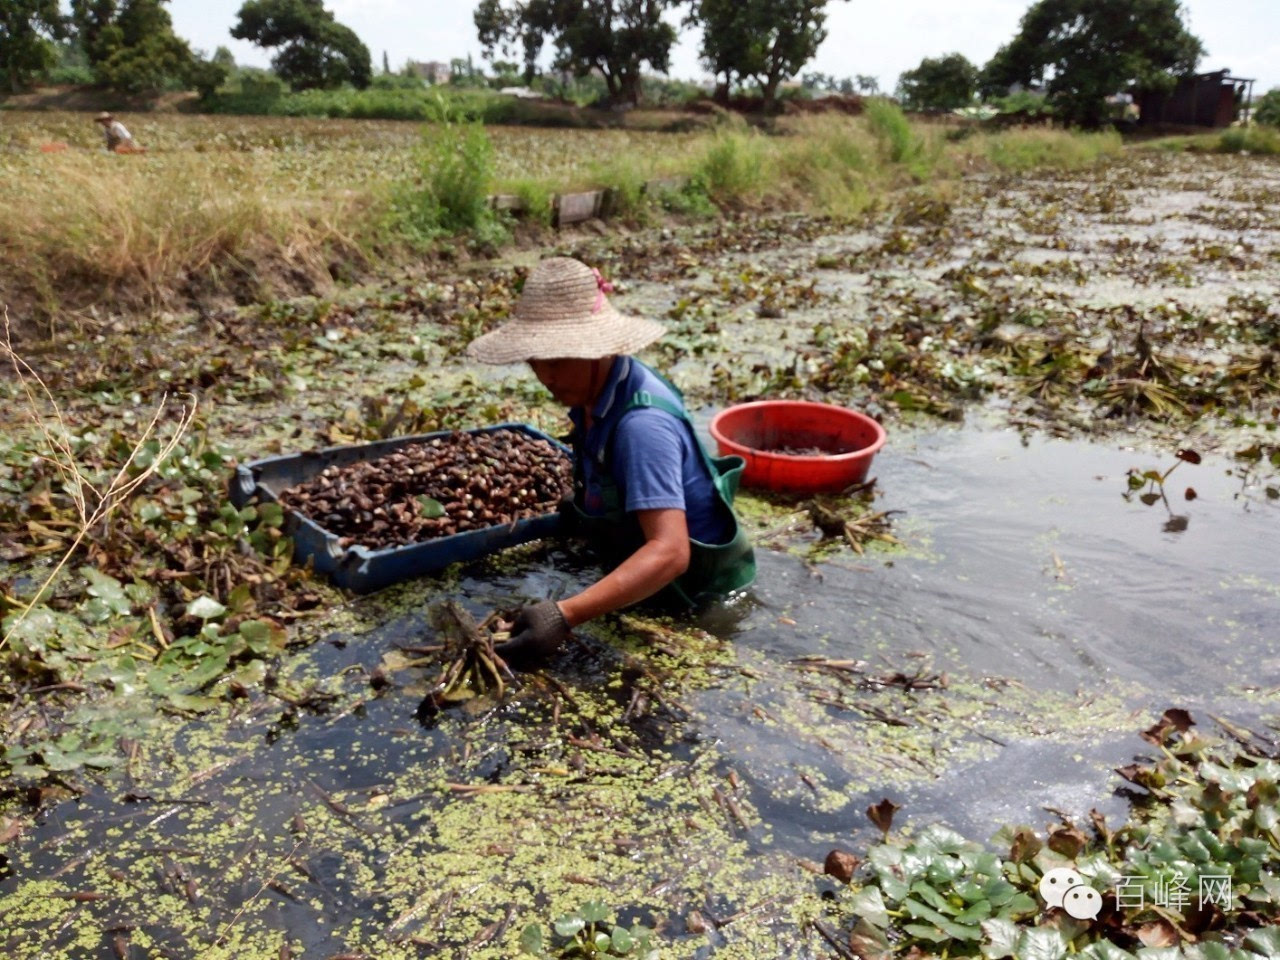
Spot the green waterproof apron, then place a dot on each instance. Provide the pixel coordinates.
(714, 569)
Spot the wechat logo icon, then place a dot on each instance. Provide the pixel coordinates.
(1063, 887)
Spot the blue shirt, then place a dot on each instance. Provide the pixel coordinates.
(656, 460)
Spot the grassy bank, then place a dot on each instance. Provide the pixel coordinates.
(1264, 141)
(215, 195)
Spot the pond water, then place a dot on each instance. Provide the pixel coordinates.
(1061, 617)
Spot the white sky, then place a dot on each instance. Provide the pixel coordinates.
(865, 38)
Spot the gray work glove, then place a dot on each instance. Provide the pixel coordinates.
(539, 630)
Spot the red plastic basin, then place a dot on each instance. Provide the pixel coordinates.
(757, 431)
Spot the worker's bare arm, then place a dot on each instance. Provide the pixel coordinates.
(662, 558)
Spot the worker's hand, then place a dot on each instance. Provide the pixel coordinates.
(538, 632)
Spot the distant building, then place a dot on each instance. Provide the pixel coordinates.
(1204, 100)
(432, 71)
(523, 93)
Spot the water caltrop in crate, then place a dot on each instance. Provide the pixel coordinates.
(376, 513)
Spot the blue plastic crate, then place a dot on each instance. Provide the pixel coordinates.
(358, 568)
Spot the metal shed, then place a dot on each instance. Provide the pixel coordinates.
(1203, 100)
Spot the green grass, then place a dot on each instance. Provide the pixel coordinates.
(1255, 140)
(732, 168)
(484, 106)
(900, 141)
(1029, 149)
(1262, 140)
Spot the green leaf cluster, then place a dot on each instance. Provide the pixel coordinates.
(587, 932)
(939, 83)
(132, 48)
(617, 38)
(314, 50)
(1211, 811)
(1083, 51)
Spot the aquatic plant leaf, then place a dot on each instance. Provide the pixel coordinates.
(108, 590)
(271, 514)
(983, 864)
(191, 703)
(932, 897)
(1188, 456)
(569, 924)
(1041, 944)
(1105, 950)
(1264, 940)
(945, 870)
(1002, 938)
(431, 508)
(621, 940)
(869, 904)
(932, 934)
(1020, 904)
(210, 668)
(869, 943)
(594, 911)
(205, 608)
(941, 838)
(976, 913)
(1150, 499)
(531, 939)
(952, 929)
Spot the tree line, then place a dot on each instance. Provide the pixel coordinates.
(763, 41)
(130, 46)
(1076, 53)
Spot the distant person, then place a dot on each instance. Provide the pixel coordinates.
(115, 134)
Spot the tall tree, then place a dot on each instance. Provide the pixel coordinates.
(766, 40)
(939, 83)
(27, 31)
(315, 51)
(618, 38)
(726, 40)
(1083, 51)
(131, 47)
(867, 84)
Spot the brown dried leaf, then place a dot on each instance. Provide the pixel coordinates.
(881, 814)
(841, 865)
(1158, 933)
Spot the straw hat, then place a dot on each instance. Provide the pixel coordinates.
(563, 313)
(103, 117)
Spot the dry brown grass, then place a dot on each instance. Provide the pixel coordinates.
(94, 504)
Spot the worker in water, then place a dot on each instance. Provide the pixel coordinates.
(114, 132)
(646, 493)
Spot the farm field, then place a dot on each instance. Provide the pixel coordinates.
(216, 754)
(255, 208)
